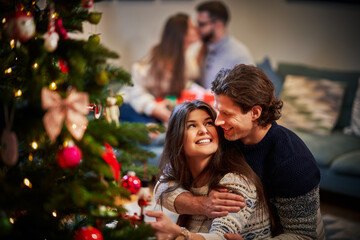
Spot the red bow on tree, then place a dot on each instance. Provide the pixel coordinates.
(110, 157)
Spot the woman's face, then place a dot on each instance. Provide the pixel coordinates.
(192, 34)
(201, 139)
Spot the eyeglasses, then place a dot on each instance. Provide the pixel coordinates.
(203, 24)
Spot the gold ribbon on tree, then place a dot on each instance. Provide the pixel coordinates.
(72, 110)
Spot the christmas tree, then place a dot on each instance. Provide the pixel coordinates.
(63, 151)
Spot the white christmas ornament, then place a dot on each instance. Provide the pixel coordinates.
(112, 112)
(51, 40)
(21, 26)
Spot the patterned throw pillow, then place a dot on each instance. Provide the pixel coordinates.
(311, 104)
(355, 115)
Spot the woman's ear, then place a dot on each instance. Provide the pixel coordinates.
(255, 112)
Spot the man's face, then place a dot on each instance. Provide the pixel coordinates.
(206, 27)
(236, 125)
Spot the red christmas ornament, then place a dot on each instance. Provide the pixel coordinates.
(21, 25)
(110, 157)
(131, 182)
(87, 3)
(63, 66)
(69, 156)
(88, 233)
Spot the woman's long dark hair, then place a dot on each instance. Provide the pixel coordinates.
(226, 160)
(169, 57)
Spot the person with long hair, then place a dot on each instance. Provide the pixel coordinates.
(170, 67)
(196, 159)
(247, 110)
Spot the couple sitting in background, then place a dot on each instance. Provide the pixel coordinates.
(179, 60)
(197, 166)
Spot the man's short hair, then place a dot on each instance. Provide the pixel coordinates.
(216, 9)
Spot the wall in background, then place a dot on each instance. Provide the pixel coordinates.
(316, 33)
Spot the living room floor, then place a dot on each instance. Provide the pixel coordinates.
(340, 205)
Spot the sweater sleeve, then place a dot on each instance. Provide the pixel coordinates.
(236, 222)
(300, 217)
(169, 198)
(138, 96)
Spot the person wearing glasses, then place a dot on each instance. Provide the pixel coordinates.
(220, 50)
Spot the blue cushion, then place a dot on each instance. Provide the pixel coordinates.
(272, 75)
(348, 164)
(327, 148)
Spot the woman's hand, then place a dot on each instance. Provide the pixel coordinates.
(166, 229)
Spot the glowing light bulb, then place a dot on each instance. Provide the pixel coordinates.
(31, 157)
(18, 93)
(33, 2)
(53, 15)
(12, 43)
(53, 86)
(36, 65)
(27, 183)
(34, 145)
(54, 213)
(4, 20)
(11, 220)
(9, 70)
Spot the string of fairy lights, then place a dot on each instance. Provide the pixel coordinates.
(18, 93)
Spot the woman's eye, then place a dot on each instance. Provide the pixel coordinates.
(190, 126)
(210, 123)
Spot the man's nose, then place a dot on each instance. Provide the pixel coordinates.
(219, 121)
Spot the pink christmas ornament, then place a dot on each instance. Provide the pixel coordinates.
(69, 156)
(60, 29)
(21, 26)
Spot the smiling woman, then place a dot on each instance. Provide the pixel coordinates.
(200, 142)
(196, 159)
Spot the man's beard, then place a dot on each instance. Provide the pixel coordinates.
(208, 37)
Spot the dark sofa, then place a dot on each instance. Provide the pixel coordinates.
(337, 154)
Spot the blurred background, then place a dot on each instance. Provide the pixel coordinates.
(318, 33)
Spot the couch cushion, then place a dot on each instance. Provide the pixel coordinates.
(311, 104)
(327, 148)
(272, 75)
(354, 127)
(349, 77)
(347, 164)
